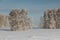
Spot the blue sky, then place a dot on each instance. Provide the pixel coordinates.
(35, 7)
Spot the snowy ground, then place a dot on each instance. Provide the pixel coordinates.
(33, 34)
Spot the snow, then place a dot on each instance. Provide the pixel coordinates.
(32, 34)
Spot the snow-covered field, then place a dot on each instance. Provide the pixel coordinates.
(32, 34)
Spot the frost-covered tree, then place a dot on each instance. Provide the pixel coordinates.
(19, 20)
